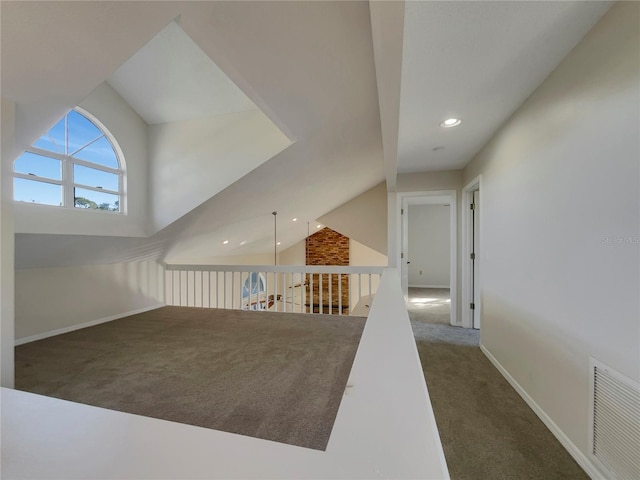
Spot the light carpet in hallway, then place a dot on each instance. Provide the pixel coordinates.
(487, 430)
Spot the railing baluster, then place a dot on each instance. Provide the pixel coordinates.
(303, 291)
(224, 288)
(275, 288)
(339, 294)
(311, 295)
(173, 292)
(359, 287)
(320, 291)
(351, 294)
(330, 295)
(266, 292)
(284, 292)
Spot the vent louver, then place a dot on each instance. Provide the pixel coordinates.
(615, 432)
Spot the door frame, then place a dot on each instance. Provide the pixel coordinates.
(430, 198)
(467, 200)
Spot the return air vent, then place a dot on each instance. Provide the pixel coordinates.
(615, 432)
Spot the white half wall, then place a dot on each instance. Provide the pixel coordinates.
(383, 429)
(560, 245)
(429, 246)
(53, 299)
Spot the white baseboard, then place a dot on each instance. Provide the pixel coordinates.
(429, 286)
(59, 331)
(577, 455)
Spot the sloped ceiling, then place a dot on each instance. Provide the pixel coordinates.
(319, 71)
(171, 79)
(307, 65)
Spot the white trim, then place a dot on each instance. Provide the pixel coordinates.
(429, 286)
(91, 323)
(467, 196)
(426, 198)
(335, 269)
(587, 465)
(67, 180)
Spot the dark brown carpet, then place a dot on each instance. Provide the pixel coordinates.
(274, 376)
(487, 430)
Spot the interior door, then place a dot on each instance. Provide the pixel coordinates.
(475, 250)
(404, 249)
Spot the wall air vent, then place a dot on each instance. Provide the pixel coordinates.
(615, 427)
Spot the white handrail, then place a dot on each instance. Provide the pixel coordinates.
(286, 288)
(376, 270)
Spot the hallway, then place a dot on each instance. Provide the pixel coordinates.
(486, 429)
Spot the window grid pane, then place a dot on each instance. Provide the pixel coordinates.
(38, 165)
(99, 152)
(80, 130)
(53, 172)
(90, 199)
(32, 191)
(92, 177)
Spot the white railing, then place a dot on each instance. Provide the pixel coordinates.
(338, 290)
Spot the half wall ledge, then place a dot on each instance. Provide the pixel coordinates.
(385, 427)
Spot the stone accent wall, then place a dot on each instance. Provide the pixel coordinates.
(327, 247)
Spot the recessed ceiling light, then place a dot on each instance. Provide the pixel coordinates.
(318, 226)
(278, 243)
(295, 219)
(450, 122)
(243, 242)
(225, 242)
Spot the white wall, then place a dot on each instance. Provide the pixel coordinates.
(50, 299)
(294, 255)
(130, 131)
(363, 218)
(6, 244)
(560, 209)
(362, 256)
(191, 161)
(429, 245)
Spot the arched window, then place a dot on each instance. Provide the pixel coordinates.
(254, 293)
(76, 164)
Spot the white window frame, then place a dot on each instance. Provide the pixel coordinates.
(67, 162)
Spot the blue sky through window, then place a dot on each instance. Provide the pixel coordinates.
(77, 136)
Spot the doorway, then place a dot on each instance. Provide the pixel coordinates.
(471, 253)
(428, 255)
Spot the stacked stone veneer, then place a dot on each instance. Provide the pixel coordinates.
(327, 247)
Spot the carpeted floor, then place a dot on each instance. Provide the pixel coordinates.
(262, 374)
(430, 305)
(487, 430)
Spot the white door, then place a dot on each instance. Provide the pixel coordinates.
(475, 259)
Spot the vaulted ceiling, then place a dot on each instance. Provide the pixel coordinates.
(359, 89)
